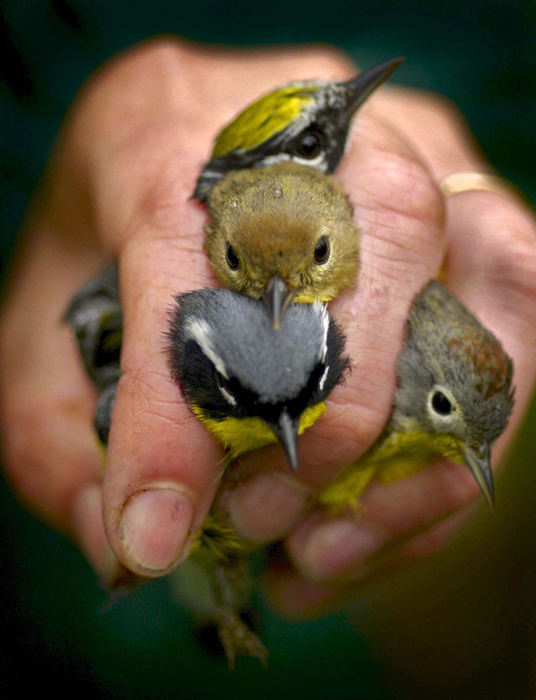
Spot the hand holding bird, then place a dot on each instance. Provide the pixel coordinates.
(120, 190)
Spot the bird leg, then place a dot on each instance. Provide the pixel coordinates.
(235, 634)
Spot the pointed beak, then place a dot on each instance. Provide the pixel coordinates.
(286, 430)
(478, 461)
(360, 87)
(277, 298)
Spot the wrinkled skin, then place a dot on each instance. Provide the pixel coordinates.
(118, 186)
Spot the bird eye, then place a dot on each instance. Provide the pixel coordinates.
(441, 404)
(309, 144)
(232, 258)
(322, 250)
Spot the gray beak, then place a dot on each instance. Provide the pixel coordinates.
(478, 461)
(277, 298)
(287, 432)
(360, 87)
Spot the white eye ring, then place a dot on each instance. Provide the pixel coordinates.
(441, 403)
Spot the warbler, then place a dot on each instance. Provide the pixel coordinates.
(96, 317)
(306, 122)
(453, 399)
(283, 232)
(221, 341)
(249, 385)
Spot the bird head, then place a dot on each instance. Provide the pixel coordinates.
(307, 122)
(282, 232)
(249, 384)
(454, 382)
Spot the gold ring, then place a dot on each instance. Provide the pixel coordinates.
(465, 181)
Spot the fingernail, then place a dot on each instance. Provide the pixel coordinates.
(337, 549)
(267, 506)
(154, 527)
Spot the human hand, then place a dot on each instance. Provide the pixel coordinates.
(490, 261)
(117, 187)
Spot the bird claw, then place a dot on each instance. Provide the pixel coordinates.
(238, 639)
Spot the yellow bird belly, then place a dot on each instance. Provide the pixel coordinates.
(396, 456)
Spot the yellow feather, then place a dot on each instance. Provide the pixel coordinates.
(262, 119)
(396, 456)
(240, 435)
(218, 537)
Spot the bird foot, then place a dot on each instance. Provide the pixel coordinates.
(238, 639)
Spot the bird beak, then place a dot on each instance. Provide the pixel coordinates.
(360, 87)
(478, 461)
(287, 431)
(277, 298)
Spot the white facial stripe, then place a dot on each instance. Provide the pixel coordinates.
(200, 331)
(279, 158)
(227, 396)
(322, 309)
(319, 162)
(323, 379)
(209, 174)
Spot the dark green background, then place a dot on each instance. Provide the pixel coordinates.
(57, 625)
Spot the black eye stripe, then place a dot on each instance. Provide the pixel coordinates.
(248, 404)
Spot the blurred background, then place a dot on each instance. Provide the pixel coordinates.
(462, 623)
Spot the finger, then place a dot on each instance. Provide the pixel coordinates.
(325, 549)
(53, 473)
(50, 452)
(491, 236)
(491, 269)
(298, 598)
(162, 466)
(399, 215)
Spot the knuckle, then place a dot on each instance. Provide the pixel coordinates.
(443, 107)
(156, 56)
(410, 190)
(162, 53)
(402, 202)
(390, 175)
(147, 413)
(443, 115)
(138, 380)
(163, 203)
(159, 200)
(511, 262)
(139, 392)
(331, 61)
